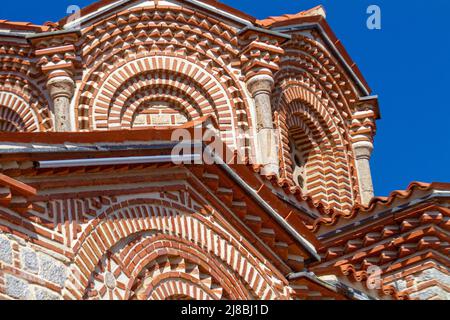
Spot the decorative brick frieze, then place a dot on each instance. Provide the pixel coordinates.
(406, 250)
(324, 98)
(23, 105)
(363, 127)
(56, 50)
(119, 88)
(189, 48)
(89, 230)
(261, 53)
(56, 55)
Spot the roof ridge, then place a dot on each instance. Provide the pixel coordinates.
(315, 11)
(351, 271)
(23, 25)
(97, 5)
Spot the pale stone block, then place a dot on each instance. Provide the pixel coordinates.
(161, 119)
(140, 120)
(363, 151)
(180, 119)
(44, 294)
(30, 260)
(52, 270)
(5, 250)
(401, 285)
(433, 274)
(17, 288)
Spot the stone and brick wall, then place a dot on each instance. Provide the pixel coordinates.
(28, 272)
(149, 240)
(112, 233)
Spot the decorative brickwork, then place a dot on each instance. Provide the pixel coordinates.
(91, 207)
(315, 102)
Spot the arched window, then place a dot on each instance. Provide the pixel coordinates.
(298, 165)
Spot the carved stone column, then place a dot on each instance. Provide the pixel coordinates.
(260, 87)
(58, 60)
(61, 89)
(363, 152)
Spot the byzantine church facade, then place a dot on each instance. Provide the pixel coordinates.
(92, 205)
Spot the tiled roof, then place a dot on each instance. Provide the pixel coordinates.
(362, 276)
(395, 244)
(23, 26)
(315, 15)
(412, 231)
(268, 22)
(16, 186)
(379, 202)
(214, 3)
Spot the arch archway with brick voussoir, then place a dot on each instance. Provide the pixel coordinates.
(20, 112)
(177, 53)
(151, 249)
(24, 106)
(303, 118)
(316, 102)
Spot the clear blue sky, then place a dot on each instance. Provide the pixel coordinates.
(407, 64)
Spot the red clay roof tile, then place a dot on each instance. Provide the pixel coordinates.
(379, 201)
(23, 26)
(268, 22)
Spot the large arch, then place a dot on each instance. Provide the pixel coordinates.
(303, 116)
(25, 106)
(310, 62)
(151, 265)
(163, 230)
(315, 101)
(170, 95)
(22, 106)
(183, 43)
(11, 121)
(158, 73)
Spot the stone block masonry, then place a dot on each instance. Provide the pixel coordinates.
(27, 273)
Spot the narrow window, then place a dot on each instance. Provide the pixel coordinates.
(298, 165)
